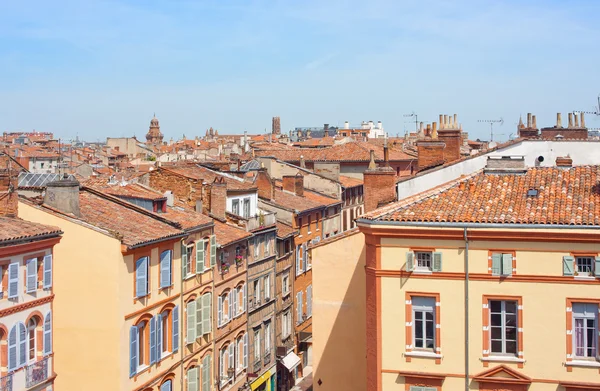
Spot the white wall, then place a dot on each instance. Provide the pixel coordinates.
(253, 202)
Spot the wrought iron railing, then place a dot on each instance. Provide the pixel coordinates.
(6, 383)
(36, 373)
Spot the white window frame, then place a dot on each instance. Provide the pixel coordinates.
(268, 329)
(267, 281)
(418, 262)
(591, 267)
(503, 328)
(257, 344)
(585, 312)
(285, 282)
(423, 306)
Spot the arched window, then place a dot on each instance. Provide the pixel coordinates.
(166, 386)
(17, 346)
(48, 334)
(31, 340)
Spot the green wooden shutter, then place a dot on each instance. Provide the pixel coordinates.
(417, 388)
(496, 264)
(206, 374)
(206, 316)
(568, 263)
(507, 264)
(199, 331)
(191, 322)
(184, 269)
(192, 379)
(200, 256)
(437, 262)
(597, 267)
(410, 261)
(213, 250)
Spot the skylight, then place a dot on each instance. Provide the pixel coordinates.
(532, 193)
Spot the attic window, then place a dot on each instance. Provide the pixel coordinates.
(532, 193)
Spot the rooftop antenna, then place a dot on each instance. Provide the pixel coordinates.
(595, 112)
(492, 122)
(416, 116)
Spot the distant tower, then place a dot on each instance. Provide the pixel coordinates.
(276, 127)
(154, 136)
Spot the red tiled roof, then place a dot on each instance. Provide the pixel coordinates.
(564, 197)
(347, 181)
(284, 230)
(308, 201)
(202, 173)
(227, 234)
(14, 229)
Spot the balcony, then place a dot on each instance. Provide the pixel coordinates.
(262, 220)
(267, 358)
(36, 373)
(6, 383)
(257, 365)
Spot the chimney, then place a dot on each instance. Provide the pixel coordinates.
(372, 164)
(379, 187)
(294, 184)
(451, 136)
(558, 120)
(63, 195)
(533, 122)
(346, 125)
(326, 130)
(564, 162)
(434, 133)
(386, 154)
(528, 120)
(430, 153)
(570, 120)
(445, 121)
(455, 121)
(266, 189)
(302, 162)
(576, 115)
(582, 120)
(441, 121)
(9, 198)
(218, 198)
(170, 197)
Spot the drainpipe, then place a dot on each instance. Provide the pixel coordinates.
(181, 315)
(466, 310)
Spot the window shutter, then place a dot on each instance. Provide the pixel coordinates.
(159, 337)
(220, 309)
(230, 302)
(48, 334)
(417, 388)
(437, 262)
(299, 260)
(199, 256)
(244, 298)
(496, 264)
(507, 264)
(12, 348)
(221, 370)
(207, 314)
(597, 267)
(246, 350)
(309, 300)
(410, 261)
(304, 258)
(231, 356)
(299, 307)
(153, 340)
(31, 275)
(184, 260)
(133, 350)
(191, 322)
(199, 313)
(568, 263)
(165, 269)
(22, 345)
(235, 302)
(176, 328)
(213, 250)
(141, 280)
(48, 271)
(206, 374)
(192, 379)
(13, 280)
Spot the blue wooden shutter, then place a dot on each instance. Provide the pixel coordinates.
(496, 264)
(213, 250)
(31, 275)
(568, 265)
(48, 334)
(410, 261)
(13, 280)
(199, 256)
(47, 271)
(159, 337)
(22, 345)
(207, 313)
(437, 262)
(191, 322)
(12, 348)
(184, 261)
(133, 350)
(199, 313)
(153, 340)
(165, 269)
(507, 264)
(176, 328)
(141, 277)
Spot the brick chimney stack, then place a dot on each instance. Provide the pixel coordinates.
(266, 189)
(451, 136)
(529, 131)
(9, 198)
(276, 126)
(218, 198)
(379, 184)
(294, 184)
(575, 130)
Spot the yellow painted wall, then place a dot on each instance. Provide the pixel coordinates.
(339, 310)
(87, 330)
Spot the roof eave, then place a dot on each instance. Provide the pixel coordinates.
(370, 222)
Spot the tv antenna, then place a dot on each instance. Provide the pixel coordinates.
(413, 114)
(492, 122)
(595, 112)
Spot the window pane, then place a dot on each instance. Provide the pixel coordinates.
(495, 306)
(497, 346)
(496, 319)
(511, 333)
(419, 329)
(511, 320)
(496, 332)
(429, 316)
(511, 347)
(430, 344)
(429, 330)
(511, 307)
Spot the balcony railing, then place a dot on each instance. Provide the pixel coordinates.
(36, 373)
(257, 365)
(6, 383)
(263, 219)
(267, 357)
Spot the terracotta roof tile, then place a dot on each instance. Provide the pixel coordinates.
(564, 197)
(15, 229)
(284, 230)
(347, 181)
(227, 234)
(308, 201)
(203, 173)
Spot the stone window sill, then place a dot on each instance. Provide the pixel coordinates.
(583, 363)
(502, 359)
(422, 354)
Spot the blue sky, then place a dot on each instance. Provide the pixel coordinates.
(102, 68)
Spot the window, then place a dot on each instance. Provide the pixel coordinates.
(424, 322)
(309, 221)
(267, 287)
(502, 264)
(256, 248)
(246, 208)
(201, 251)
(32, 273)
(165, 269)
(503, 327)
(306, 258)
(167, 386)
(17, 347)
(585, 266)
(257, 344)
(256, 292)
(286, 284)
(47, 271)
(317, 221)
(299, 260)
(235, 205)
(225, 362)
(138, 340)
(190, 310)
(421, 388)
(192, 379)
(585, 330)
(206, 374)
(240, 293)
(309, 301)
(239, 364)
(286, 325)
(267, 337)
(13, 280)
(225, 308)
(141, 277)
(299, 312)
(423, 261)
(31, 341)
(186, 260)
(267, 244)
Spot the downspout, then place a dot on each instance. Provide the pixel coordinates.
(181, 311)
(466, 310)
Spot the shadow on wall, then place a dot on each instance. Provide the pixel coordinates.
(342, 363)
